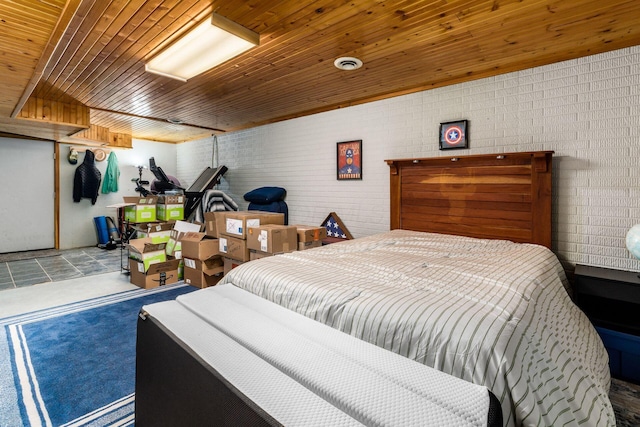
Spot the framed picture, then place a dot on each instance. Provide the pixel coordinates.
(349, 160)
(454, 135)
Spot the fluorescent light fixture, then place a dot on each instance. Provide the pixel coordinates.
(205, 46)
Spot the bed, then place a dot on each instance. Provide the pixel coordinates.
(250, 362)
(463, 291)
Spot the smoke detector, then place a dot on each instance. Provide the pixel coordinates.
(347, 63)
(175, 121)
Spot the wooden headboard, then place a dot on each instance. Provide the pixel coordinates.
(496, 196)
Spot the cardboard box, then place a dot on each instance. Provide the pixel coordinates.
(198, 246)
(220, 220)
(213, 265)
(199, 279)
(254, 255)
(174, 246)
(140, 209)
(203, 273)
(234, 248)
(169, 212)
(230, 264)
(147, 252)
(171, 199)
(157, 232)
(157, 274)
(309, 245)
(210, 226)
(236, 223)
(310, 233)
(273, 238)
(170, 207)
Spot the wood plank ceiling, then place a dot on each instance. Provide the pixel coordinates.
(91, 54)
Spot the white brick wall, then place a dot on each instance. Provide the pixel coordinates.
(586, 110)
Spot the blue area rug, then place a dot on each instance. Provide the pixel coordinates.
(74, 365)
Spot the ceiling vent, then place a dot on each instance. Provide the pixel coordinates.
(347, 63)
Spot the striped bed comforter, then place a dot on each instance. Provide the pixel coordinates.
(491, 312)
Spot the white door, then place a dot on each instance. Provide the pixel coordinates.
(27, 193)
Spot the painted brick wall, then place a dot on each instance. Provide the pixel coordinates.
(586, 110)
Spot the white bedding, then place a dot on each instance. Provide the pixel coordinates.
(304, 373)
(492, 312)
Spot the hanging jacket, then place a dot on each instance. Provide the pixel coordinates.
(111, 175)
(86, 181)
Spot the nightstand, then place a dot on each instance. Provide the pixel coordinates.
(611, 300)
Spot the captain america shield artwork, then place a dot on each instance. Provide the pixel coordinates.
(454, 135)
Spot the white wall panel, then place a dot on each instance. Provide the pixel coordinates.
(27, 195)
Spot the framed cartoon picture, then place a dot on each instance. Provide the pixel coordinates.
(454, 135)
(349, 156)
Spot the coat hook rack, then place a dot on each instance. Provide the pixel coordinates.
(99, 152)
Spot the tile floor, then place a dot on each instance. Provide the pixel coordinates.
(52, 266)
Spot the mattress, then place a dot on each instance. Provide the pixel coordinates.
(298, 372)
(492, 312)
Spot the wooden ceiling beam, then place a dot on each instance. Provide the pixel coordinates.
(55, 112)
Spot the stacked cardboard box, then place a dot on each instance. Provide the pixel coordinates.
(271, 239)
(203, 265)
(148, 264)
(232, 230)
(140, 209)
(170, 207)
(158, 232)
(237, 223)
(174, 245)
(210, 224)
(196, 245)
(203, 274)
(215, 221)
(180, 228)
(145, 251)
(310, 236)
(164, 273)
(169, 251)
